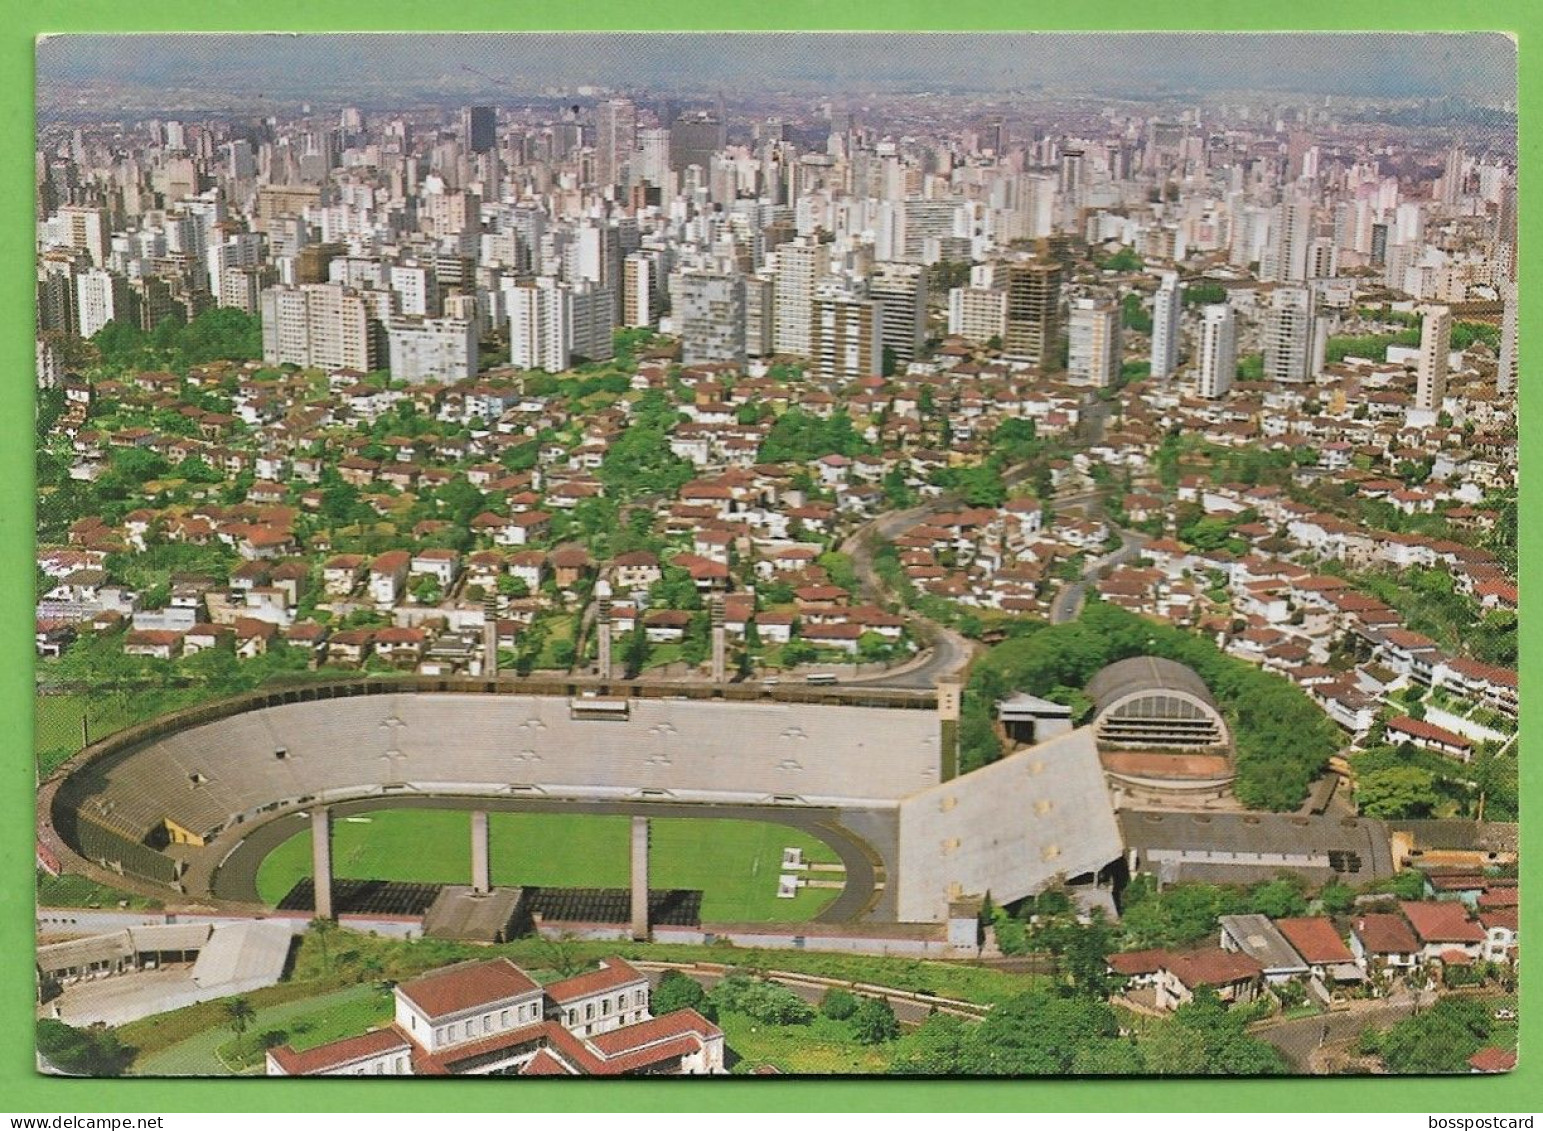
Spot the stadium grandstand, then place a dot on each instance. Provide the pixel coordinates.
(168, 801)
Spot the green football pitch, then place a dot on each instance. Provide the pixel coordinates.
(735, 864)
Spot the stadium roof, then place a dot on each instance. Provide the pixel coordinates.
(1144, 673)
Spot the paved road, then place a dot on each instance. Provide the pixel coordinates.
(1298, 1040)
(235, 876)
(948, 652)
(1068, 602)
(908, 1011)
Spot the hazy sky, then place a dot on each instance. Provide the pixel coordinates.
(1477, 66)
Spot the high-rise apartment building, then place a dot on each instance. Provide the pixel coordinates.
(640, 289)
(1290, 336)
(101, 297)
(1505, 370)
(540, 330)
(709, 314)
(1218, 351)
(1033, 313)
(1167, 305)
(325, 325)
(86, 229)
(801, 267)
(977, 314)
(902, 289)
(1093, 345)
(847, 337)
(431, 349)
(616, 135)
(1435, 345)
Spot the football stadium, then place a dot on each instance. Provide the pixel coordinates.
(315, 793)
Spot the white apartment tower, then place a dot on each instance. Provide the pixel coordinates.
(977, 314)
(432, 349)
(539, 329)
(1166, 307)
(1093, 357)
(1290, 338)
(709, 315)
(1435, 345)
(325, 325)
(801, 267)
(1218, 351)
(616, 131)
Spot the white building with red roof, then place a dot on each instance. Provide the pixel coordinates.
(491, 1018)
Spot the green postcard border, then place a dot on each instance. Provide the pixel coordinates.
(22, 1090)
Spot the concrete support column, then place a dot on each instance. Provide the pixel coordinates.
(321, 859)
(640, 878)
(481, 879)
(490, 637)
(720, 642)
(603, 628)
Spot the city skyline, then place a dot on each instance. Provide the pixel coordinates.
(1148, 66)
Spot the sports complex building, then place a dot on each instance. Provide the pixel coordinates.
(181, 803)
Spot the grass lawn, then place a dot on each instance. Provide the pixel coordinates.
(56, 722)
(734, 863)
(821, 1047)
(78, 891)
(346, 1015)
(207, 1027)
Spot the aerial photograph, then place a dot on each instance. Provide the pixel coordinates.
(610, 554)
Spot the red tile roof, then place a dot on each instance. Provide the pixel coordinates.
(1213, 967)
(632, 1038)
(1315, 939)
(1136, 962)
(1385, 934)
(1492, 1059)
(545, 1063)
(338, 1053)
(466, 987)
(1443, 922)
(613, 974)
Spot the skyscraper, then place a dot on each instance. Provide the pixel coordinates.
(709, 314)
(1435, 344)
(1166, 307)
(902, 289)
(616, 134)
(694, 138)
(1033, 313)
(846, 337)
(479, 125)
(1093, 353)
(325, 325)
(1505, 370)
(801, 267)
(1289, 335)
(1218, 350)
(540, 331)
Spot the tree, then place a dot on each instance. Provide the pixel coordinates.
(838, 1004)
(239, 1012)
(1337, 898)
(676, 991)
(81, 1052)
(873, 1022)
(1396, 792)
(1280, 898)
(1205, 1025)
(322, 929)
